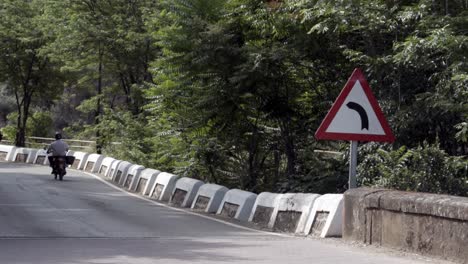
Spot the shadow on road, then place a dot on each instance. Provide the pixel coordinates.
(122, 250)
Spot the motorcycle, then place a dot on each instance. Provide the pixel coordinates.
(59, 165)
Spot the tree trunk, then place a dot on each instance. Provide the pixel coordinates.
(289, 148)
(277, 160)
(24, 103)
(252, 182)
(213, 177)
(447, 8)
(23, 115)
(20, 139)
(98, 104)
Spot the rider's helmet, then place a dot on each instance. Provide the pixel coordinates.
(58, 135)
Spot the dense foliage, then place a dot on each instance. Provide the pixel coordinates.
(426, 168)
(232, 91)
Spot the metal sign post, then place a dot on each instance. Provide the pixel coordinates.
(352, 164)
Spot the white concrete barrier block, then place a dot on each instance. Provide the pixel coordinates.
(326, 218)
(237, 204)
(41, 157)
(113, 168)
(32, 156)
(163, 186)
(262, 212)
(121, 171)
(106, 166)
(292, 212)
(80, 159)
(185, 191)
(209, 198)
(25, 155)
(93, 163)
(143, 182)
(7, 152)
(132, 172)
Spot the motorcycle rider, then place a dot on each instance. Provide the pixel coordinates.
(58, 148)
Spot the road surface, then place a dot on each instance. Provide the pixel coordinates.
(85, 220)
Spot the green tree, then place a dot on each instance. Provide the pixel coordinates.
(414, 53)
(234, 83)
(26, 72)
(107, 48)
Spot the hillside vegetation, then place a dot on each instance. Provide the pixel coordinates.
(232, 91)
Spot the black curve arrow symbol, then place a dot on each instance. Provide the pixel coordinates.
(362, 113)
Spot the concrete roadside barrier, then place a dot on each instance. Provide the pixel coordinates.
(41, 157)
(422, 223)
(184, 192)
(237, 204)
(209, 198)
(143, 182)
(326, 218)
(293, 211)
(80, 159)
(93, 163)
(132, 172)
(121, 171)
(163, 186)
(113, 168)
(25, 155)
(262, 212)
(7, 152)
(106, 166)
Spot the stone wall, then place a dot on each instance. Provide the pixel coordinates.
(428, 224)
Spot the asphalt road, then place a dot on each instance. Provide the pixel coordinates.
(84, 220)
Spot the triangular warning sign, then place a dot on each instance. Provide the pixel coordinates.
(355, 115)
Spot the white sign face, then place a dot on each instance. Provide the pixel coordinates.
(356, 115)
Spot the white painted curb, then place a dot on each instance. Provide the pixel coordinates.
(215, 193)
(333, 204)
(106, 166)
(190, 187)
(163, 186)
(93, 163)
(269, 200)
(148, 175)
(31, 154)
(132, 172)
(113, 168)
(9, 151)
(243, 199)
(80, 159)
(41, 153)
(297, 202)
(121, 171)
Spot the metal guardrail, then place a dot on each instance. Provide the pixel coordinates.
(90, 146)
(41, 142)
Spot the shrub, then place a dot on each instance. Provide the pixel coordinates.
(426, 168)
